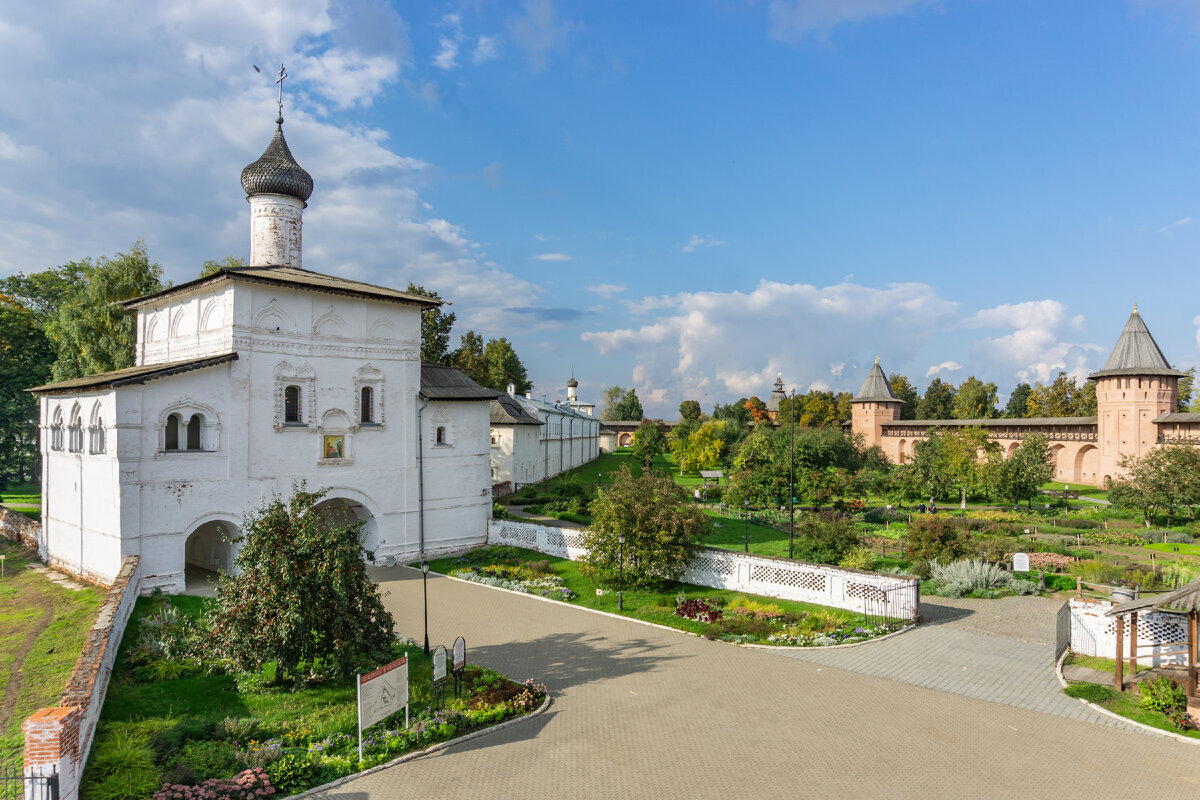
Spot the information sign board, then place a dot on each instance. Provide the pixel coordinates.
(382, 693)
(1020, 562)
(460, 653)
(439, 664)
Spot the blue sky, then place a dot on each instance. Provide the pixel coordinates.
(682, 197)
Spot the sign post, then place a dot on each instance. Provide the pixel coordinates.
(382, 693)
(460, 661)
(439, 675)
(1020, 562)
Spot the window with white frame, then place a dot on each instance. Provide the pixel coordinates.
(295, 397)
(368, 396)
(291, 405)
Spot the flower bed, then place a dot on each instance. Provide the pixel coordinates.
(750, 621)
(517, 579)
(179, 725)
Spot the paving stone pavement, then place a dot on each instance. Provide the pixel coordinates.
(640, 712)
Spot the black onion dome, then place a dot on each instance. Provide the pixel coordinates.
(572, 383)
(276, 172)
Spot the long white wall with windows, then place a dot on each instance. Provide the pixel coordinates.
(524, 453)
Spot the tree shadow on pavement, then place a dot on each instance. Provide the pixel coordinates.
(571, 658)
(933, 613)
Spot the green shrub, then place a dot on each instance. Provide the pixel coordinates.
(859, 558)
(186, 729)
(239, 729)
(209, 759)
(1095, 571)
(824, 539)
(1162, 694)
(293, 773)
(1092, 692)
(500, 511)
(1179, 572)
(934, 538)
(1113, 537)
(973, 574)
(121, 767)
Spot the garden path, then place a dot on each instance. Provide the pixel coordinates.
(642, 712)
(999, 650)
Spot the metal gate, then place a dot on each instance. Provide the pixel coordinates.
(16, 786)
(1062, 633)
(893, 605)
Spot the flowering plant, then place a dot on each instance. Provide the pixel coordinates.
(249, 785)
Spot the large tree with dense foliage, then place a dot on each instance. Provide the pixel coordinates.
(301, 596)
(1018, 401)
(972, 460)
(662, 531)
(938, 402)
(690, 409)
(26, 356)
(620, 405)
(503, 367)
(1186, 389)
(975, 400)
(468, 357)
(906, 393)
(1062, 397)
(1030, 465)
(435, 328)
(647, 442)
(212, 267)
(91, 333)
(1165, 480)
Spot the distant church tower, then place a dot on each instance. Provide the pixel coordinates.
(777, 397)
(277, 189)
(1136, 387)
(572, 390)
(874, 405)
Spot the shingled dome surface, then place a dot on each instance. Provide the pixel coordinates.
(1136, 353)
(276, 172)
(875, 388)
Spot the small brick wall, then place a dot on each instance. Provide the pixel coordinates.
(20, 528)
(58, 739)
(501, 489)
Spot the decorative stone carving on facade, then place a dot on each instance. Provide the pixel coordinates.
(330, 324)
(304, 377)
(179, 322)
(153, 330)
(210, 425)
(273, 317)
(368, 376)
(213, 316)
(382, 329)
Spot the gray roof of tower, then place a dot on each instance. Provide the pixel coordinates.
(1136, 353)
(276, 171)
(1190, 417)
(875, 388)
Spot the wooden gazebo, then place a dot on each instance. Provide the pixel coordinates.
(1185, 600)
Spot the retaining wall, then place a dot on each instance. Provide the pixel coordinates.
(19, 528)
(58, 739)
(1093, 634)
(887, 595)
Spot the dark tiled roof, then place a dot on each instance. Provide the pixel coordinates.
(990, 423)
(1179, 416)
(293, 277)
(508, 410)
(875, 388)
(276, 171)
(1136, 353)
(440, 382)
(132, 375)
(1185, 598)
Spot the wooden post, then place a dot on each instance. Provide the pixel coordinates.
(1079, 587)
(1191, 648)
(1118, 673)
(1133, 644)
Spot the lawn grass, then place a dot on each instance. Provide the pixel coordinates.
(1094, 492)
(656, 606)
(764, 541)
(1182, 549)
(45, 668)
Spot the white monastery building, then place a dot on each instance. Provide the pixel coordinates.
(533, 439)
(252, 379)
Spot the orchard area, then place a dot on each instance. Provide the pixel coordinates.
(855, 509)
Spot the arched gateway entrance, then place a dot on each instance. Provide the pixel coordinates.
(207, 552)
(344, 511)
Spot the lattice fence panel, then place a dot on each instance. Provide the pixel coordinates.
(715, 566)
(556, 539)
(866, 591)
(812, 581)
(573, 540)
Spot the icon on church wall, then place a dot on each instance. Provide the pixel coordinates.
(333, 447)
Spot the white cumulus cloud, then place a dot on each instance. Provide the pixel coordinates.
(696, 241)
(795, 20)
(945, 366)
(552, 257)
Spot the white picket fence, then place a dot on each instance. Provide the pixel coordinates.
(1094, 634)
(892, 596)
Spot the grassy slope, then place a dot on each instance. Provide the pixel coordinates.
(55, 651)
(651, 606)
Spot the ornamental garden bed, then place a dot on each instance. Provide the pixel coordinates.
(718, 614)
(1159, 703)
(179, 726)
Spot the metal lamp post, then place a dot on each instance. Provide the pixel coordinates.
(425, 591)
(620, 572)
(792, 481)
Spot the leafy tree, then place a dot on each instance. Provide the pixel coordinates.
(1162, 481)
(1186, 384)
(44, 293)
(435, 330)
(301, 597)
(1063, 397)
(938, 402)
(760, 475)
(1030, 465)
(91, 333)
(647, 442)
(503, 367)
(971, 459)
(26, 356)
(677, 441)
(906, 393)
(700, 446)
(211, 267)
(1018, 401)
(824, 538)
(469, 357)
(734, 411)
(608, 401)
(935, 538)
(628, 408)
(757, 410)
(662, 531)
(690, 409)
(975, 400)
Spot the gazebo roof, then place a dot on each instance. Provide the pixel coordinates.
(1186, 598)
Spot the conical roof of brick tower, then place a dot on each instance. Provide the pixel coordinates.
(875, 388)
(1136, 353)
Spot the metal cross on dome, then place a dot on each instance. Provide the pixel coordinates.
(279, 80)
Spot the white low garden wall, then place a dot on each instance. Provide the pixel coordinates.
(884, 595)
(1094, 634)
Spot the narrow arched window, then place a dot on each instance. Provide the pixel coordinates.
(56, 431)
(171, 441)
(441, 435)
(193, 432)
(367, 412)
(291, 404)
